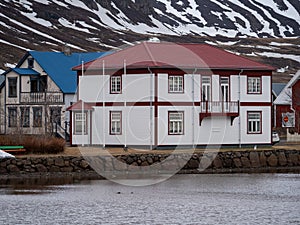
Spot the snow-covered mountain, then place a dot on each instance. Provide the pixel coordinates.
(93, 25)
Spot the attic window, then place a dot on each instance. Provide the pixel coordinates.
(30, 62)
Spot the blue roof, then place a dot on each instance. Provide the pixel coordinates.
(25, 71)
(277, 88)
(59, 66)
(2, 81)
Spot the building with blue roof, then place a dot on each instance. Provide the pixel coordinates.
(38, 90)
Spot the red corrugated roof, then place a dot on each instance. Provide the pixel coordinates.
(180, 55)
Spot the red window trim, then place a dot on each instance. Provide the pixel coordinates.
(169, 122)
(176, 92)
(110, 112)
(110, 80)
(261, 119)
(254, 93)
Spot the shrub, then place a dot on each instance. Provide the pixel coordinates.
(35, 143)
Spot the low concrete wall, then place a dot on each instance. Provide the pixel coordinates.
(244, 161)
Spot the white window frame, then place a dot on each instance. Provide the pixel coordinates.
(176, 123)
(206, 88)
(254, 122)
(115, 123)
(115, 84)
(79, 121)
(25, 117)
(254, 85)
(176, 83)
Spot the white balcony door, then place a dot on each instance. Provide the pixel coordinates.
(225, 93)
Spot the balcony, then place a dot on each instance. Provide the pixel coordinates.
(42, 97)
(209, 109)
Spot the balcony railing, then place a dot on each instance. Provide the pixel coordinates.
(42, 97)
(219, 109)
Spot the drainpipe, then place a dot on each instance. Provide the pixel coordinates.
(103, 102)
(125, 108)
(82, 108)
(193, 110)
(239, 102)
(151, 108)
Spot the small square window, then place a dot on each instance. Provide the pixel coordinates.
(115, 84)
(254, 85)
(175, 84)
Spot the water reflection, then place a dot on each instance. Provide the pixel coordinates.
(183, 199)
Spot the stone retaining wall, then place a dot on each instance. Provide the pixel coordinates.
(244, 161)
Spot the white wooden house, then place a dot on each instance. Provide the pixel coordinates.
(164, 94)
(38, 90)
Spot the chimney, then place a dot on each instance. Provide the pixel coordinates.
(66, 50)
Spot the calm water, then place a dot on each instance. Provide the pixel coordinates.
(183, 199)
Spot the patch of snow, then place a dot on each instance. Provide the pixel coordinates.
(26, 4)
(172, 10)
(16, 46)
(265, 47)
(68, 24)
(48, 43)
(236, 53)
(10, 65)
(283, 69)
(291, 12)
(266, 25)
(229, 43)
(268, 14)
(250, 54)
(45, 2)
(279, 55)
(180, 3)
(60, 3)
(32, 16)
(280, 44)
(2, 71)
(211, 43)
(39, 32)
(10, 27)
(84, 24)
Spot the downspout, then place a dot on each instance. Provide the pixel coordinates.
(239, 104)
(103, 102)
(193, 109)
(5, 111)
(82, 108)
(151, 108)
(125, 108)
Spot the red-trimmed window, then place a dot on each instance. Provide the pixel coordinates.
(254, 85)
(115, 84)
(254, 120)
(80, 123)
(115, 122)
(175, 84)
(176, 123)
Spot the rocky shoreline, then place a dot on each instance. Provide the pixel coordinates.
(88, 167)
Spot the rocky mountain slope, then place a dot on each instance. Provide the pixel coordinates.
(263, 30)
